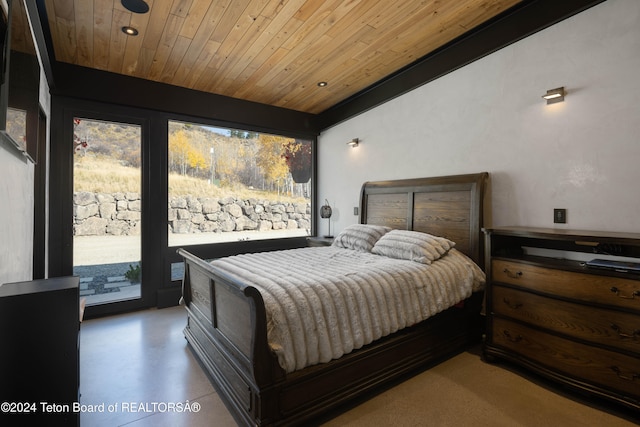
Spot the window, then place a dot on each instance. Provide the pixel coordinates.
(227, 185)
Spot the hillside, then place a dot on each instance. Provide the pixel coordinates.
(108, 158)
(101, 174)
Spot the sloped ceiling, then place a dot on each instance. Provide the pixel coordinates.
(272, 52)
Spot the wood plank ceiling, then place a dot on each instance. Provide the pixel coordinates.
(268, 51)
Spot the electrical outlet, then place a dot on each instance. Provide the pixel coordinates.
(560, 216)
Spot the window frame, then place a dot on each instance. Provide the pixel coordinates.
(156, 253)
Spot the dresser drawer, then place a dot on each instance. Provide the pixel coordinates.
(582, 362)
(612, 291)
(598, 325)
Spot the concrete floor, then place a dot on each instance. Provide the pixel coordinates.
(135, 365)
(136, 362)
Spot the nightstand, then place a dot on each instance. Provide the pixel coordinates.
(319, 241)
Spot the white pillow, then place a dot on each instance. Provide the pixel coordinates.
(412, 245)
(360, 237)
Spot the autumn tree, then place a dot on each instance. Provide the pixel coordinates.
(270, 157)
(228, 160)
(196, 160)
(182, 155)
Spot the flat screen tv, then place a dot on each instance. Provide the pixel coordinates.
(19, 79)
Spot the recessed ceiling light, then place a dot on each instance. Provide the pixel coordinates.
(130, 31)
(322, 84)
(136, 6)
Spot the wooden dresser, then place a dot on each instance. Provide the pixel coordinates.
(575, 324)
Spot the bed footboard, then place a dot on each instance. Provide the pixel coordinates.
(227, 330)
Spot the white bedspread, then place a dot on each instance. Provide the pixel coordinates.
(323, 302)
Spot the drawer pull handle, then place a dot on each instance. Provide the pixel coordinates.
(509, 304)
(508, 336)
(511, 274)
(621, 334)
(631, 377)
(617, 292)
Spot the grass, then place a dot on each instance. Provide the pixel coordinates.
(106, 175)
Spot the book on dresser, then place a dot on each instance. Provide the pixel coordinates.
(549, 311)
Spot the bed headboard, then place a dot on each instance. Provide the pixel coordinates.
(447, 206)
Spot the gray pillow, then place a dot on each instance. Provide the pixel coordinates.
(360, 237)
(412, 245)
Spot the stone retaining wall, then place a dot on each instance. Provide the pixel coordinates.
(99, 214)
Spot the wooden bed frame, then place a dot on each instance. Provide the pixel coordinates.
(227, 328)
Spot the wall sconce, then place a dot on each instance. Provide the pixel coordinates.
(353, 143)
(555, 95)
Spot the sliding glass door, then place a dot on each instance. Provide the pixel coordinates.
(107, 210)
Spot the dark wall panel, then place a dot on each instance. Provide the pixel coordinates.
(101, 86)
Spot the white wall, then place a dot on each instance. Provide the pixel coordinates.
(16, 215)
(582, 154)
(17, 203)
